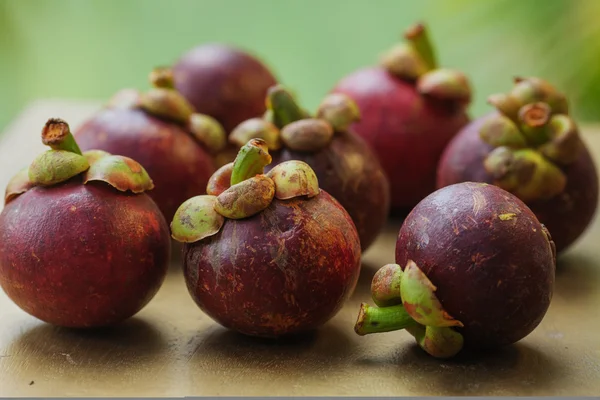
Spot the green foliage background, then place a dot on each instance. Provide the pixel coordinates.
(91, 48)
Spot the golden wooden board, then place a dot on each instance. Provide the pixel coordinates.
(172, 349)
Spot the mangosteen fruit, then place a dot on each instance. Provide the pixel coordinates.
(224, 82)
(345, 165)
(474, 269)
(267, 255)
(410, 110)
(160, 130)
(81, 243)
(531, 147)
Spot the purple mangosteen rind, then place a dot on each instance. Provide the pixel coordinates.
(346, 167)
(411, 109)
(274, 243)
(472, 239)
(65, 161)
(57, 218)
(240, 190)
(531, 147)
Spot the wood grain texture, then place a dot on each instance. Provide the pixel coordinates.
(172, 349)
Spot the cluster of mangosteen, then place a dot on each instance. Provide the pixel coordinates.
(274, 204)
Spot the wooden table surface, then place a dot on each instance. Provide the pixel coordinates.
(172, 349)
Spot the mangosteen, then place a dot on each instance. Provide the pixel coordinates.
(81, 243)
(410, 110)
(532, 148)
(267, 254)
(224, 82)
(160, 130)
(474, 269)
(345, 165)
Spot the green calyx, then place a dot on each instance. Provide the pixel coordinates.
(164, 101)
(294, 179)
(18, 184)
(406, 300)
(526, 173)
(532, 137)
(55, 166)
(120, 172)
(240, 190)
(307, 135)
(414, 60)
(208, 131)
(339, 110)
(287, 124)
(196, 219)
(64, 161)
(385, 287)
(256, 128)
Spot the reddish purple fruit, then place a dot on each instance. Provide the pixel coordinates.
(81, 244)
(159, 130)
(226, 83)
(267, 254)
(474, 268)
(410, 111)
(346, 167)
(532, 148)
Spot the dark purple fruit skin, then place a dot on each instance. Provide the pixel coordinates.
(407, 131)
(286, 270)
(566, 216)
(178, 165)
(82, 256)
(495, 276)
(224, 82)
(349, 171)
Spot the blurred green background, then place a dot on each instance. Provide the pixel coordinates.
(88, 49)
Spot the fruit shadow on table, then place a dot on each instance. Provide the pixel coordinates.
(300, 354)
(90, 350)
(577, 273)
(517, 369)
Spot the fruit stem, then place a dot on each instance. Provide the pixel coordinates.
(57, 135)
(285, 108)
(251, 160)
(419, 39)
(382, 319)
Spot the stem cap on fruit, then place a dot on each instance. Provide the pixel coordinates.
(256, 128)
(166, 103)
(420, 301)
(220, 181)
(196, 219)
(55, 166)
(246, 198)
(339, 110)
(208, 131)
(293, 179)
(308, 135)
(122, 173)
(445, 84)
(385, 286)
(17, 185)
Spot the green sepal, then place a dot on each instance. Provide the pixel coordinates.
(55, 166)
(420, 301)
(122, 173)
(196, 219)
